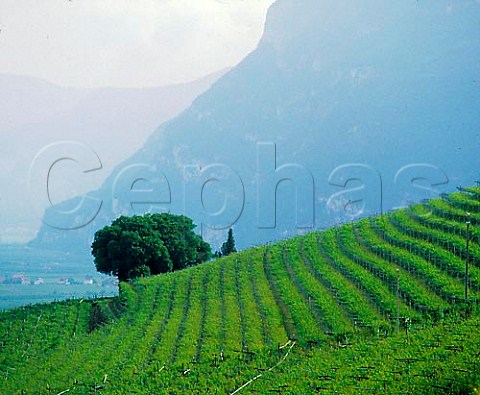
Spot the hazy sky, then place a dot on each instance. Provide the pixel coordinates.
(126, 43)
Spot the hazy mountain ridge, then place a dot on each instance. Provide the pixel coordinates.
(331, 83)
(110, 122)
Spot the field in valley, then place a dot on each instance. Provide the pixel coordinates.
(376, 306)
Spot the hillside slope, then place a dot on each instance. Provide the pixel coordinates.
(347, 307)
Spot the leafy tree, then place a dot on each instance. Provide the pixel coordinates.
(152, 244)
(184, 246)
(139, 271)
(229, 246)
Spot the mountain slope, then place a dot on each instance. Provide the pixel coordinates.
(349, 304)
(370, 106)
(111, 123)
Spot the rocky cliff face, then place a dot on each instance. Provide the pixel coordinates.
(362, 100)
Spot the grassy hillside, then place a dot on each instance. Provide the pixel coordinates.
(372, 307)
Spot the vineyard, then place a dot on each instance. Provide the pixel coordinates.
(376, 306)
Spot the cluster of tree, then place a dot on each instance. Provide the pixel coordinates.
(147, 245)
(228, 247)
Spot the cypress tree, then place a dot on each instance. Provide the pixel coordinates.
(229, 246)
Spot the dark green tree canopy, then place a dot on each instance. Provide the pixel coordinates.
(229, 246)
(151, 244)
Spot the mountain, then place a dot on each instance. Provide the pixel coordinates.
(109, 124)
(345, 109)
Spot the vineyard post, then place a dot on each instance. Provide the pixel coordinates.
(467, 255)
(398, 300)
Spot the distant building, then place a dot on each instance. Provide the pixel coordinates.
(64, 281)
(19, 279)
(110, 282)
(88, 280)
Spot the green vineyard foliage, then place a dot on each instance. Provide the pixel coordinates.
(377, 306)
